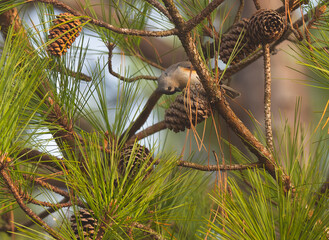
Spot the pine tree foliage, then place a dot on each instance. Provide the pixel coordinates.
(116, 178)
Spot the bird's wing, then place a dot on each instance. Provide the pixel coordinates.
(186, 64)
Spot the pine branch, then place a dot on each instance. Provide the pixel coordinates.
(216, 167)
(110, 47)
(71, 73)
(239, 12)
(161, 8)
(147, 132)
(44, 213)
(151, 102)
(217, 97)
(23, 206)
(257, 4)
(267, 98)
(30, 199)
(30, 154)
(100, 23)
(56, 114)
(53, 189)
(153, 233)
(192, 23)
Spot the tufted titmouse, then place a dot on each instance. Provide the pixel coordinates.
(176, 77)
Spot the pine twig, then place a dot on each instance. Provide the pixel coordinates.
(125, 31)
(28, 153)
(147, 132)
(192, 23)
(161, 8)
(267, 97)
(319, 10)
(110, 47)
(292, 6)
(217, 167)
(24, 207)
(257, 4)
(30, 199)
(239, 12)
(45, 213)
(71, 73)
(151, 102)
(153, 233)
(52, 188)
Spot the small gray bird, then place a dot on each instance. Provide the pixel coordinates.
(176, 77)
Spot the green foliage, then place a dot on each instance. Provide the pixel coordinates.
(314, 54)
(261, 209)
(43, 100)
(21, 74)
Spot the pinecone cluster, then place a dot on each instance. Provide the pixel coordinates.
(65, 30)
(140, 155)
(88, 224)
(189, 108)
(229, 40)
(265, 26)
(244, 37)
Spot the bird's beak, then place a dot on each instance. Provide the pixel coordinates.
(177, 89)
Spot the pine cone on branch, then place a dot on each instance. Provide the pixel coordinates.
(65, 30)
(140, 155)
(235, 42)
(87, 222)
(189, 108)
(265, 26)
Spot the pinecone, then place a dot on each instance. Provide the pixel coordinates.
(65, 30)
(189, 108)
(236, 35)
(87, 222)
(140, 155)
(265, 26)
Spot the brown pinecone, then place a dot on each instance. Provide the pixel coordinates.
(265, 26)
(236, 35)
(139, 154)
(86, 221)
(189, 108)
(65, 30)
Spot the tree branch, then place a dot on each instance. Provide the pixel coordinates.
(110, 47)
(154, 234)
(161, 8)
(217, 98)
(239, 12)
(52, 188)
(71, 73)
(257, 4)
(216, 167)
(125, 31)
(28, 153)
(267, 98)
(44, 213)
(147, 132)
(151, 102)
(30, 199)
(56, 114)
(192, 23)
(24, 207)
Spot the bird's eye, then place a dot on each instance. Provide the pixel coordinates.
(169, 88)
(166, 74)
